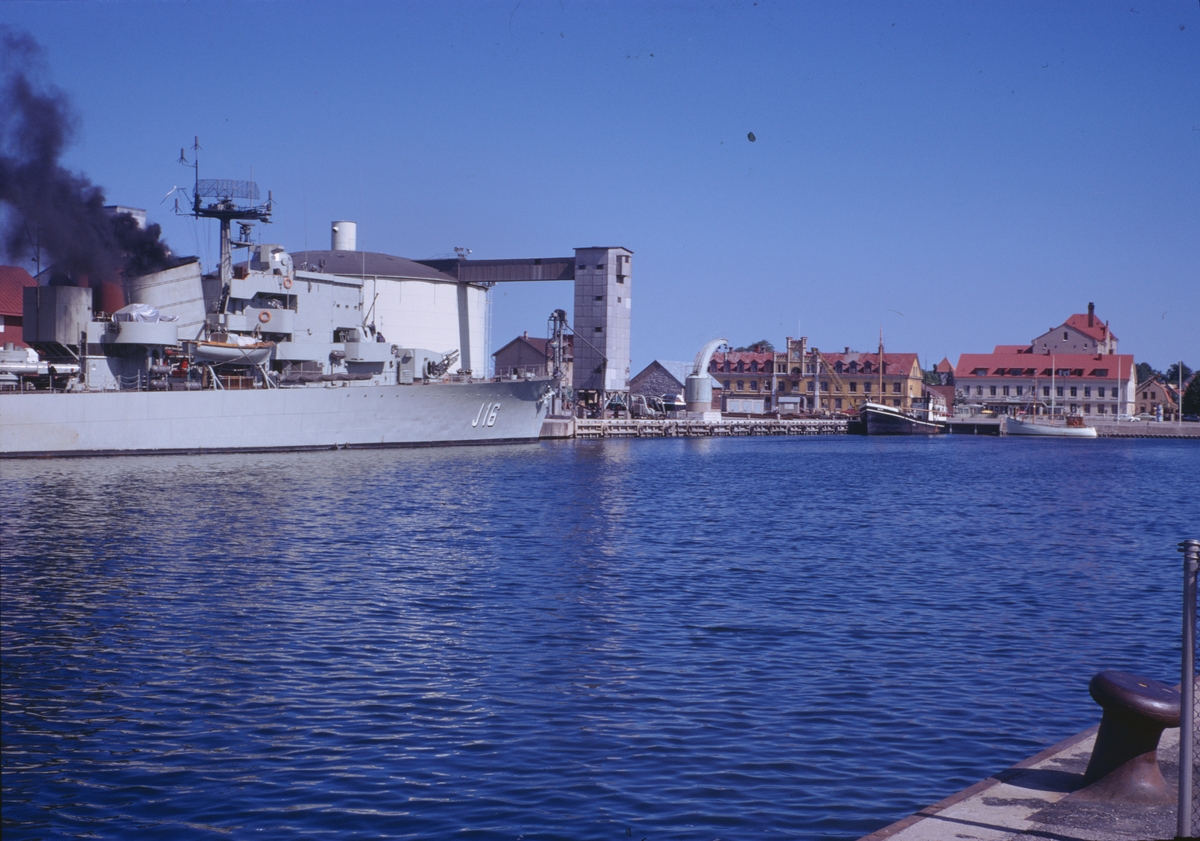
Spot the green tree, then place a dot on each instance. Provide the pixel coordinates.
(761, 346)
(1145, 372)
(1172, 373)
(1191, 398)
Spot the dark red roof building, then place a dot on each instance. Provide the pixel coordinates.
(13, 281)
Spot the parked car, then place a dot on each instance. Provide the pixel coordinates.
(1191, 418)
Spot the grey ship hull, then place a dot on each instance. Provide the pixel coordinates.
(129, 423)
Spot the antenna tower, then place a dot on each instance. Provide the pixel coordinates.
(227, 200)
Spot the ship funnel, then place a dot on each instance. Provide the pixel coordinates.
(345, 236)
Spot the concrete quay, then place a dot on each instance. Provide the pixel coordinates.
(1148, 429)
(696, 428)
(559, 427)
(1030, 802)
(1114, 429)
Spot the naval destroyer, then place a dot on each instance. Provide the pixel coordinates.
(262, 355)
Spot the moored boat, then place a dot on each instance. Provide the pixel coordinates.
(877, 419)
(1073, 428)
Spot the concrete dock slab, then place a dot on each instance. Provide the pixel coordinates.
(1030, 802)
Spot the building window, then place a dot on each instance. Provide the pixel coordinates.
(1074, 408)
(993, 390)
(599, 329)
(824, 386)
(866, 388)
(599, 297)
(837, 403)
(896, 401)
(741, 385)
(811, 388)
(1059, 389)
(1087, 408)
(726, 385)
(853, 388)
(754, 385)
(896, 388)
(1074, 391)
(1019, 390)
(1100, 392)
(1064, 331)
(1045, 391)
(978, 390)
(1006, 391)
(1087, 391)
(1100, 408)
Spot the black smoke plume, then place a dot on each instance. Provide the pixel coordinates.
(46, 207)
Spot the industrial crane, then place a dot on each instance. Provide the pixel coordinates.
(841, 385)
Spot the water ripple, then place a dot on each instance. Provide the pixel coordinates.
(684, 639)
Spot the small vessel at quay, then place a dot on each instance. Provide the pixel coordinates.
(1074, 427)
(877, 419)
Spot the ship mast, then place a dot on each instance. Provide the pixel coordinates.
(220, 193)
(881, 397)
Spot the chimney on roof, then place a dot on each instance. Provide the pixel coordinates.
(525, 335)
(1091, 314)
(847, 349)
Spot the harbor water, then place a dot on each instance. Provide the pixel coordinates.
(749, 638)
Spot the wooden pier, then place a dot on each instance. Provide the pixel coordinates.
(730, 427)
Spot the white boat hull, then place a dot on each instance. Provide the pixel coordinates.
(1012, 426)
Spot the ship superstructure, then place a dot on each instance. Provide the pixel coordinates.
(259, 355)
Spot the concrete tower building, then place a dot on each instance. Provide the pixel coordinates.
(603, 303)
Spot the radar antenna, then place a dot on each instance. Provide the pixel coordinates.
(226, 200)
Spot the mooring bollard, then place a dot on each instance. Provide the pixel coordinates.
(1189, 803)
(1124, 763)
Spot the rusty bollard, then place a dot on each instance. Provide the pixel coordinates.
(1124, 763)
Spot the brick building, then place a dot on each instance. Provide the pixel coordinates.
(664, 377)
(13, 281)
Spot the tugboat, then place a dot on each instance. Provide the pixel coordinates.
(877, 419)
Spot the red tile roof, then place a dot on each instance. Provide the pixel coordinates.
(13, 279)
(1098, 330)
(944, 367)
(1011, 349)
(1115, 365)
(893, 363)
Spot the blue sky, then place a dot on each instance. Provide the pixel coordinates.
(957, 174)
